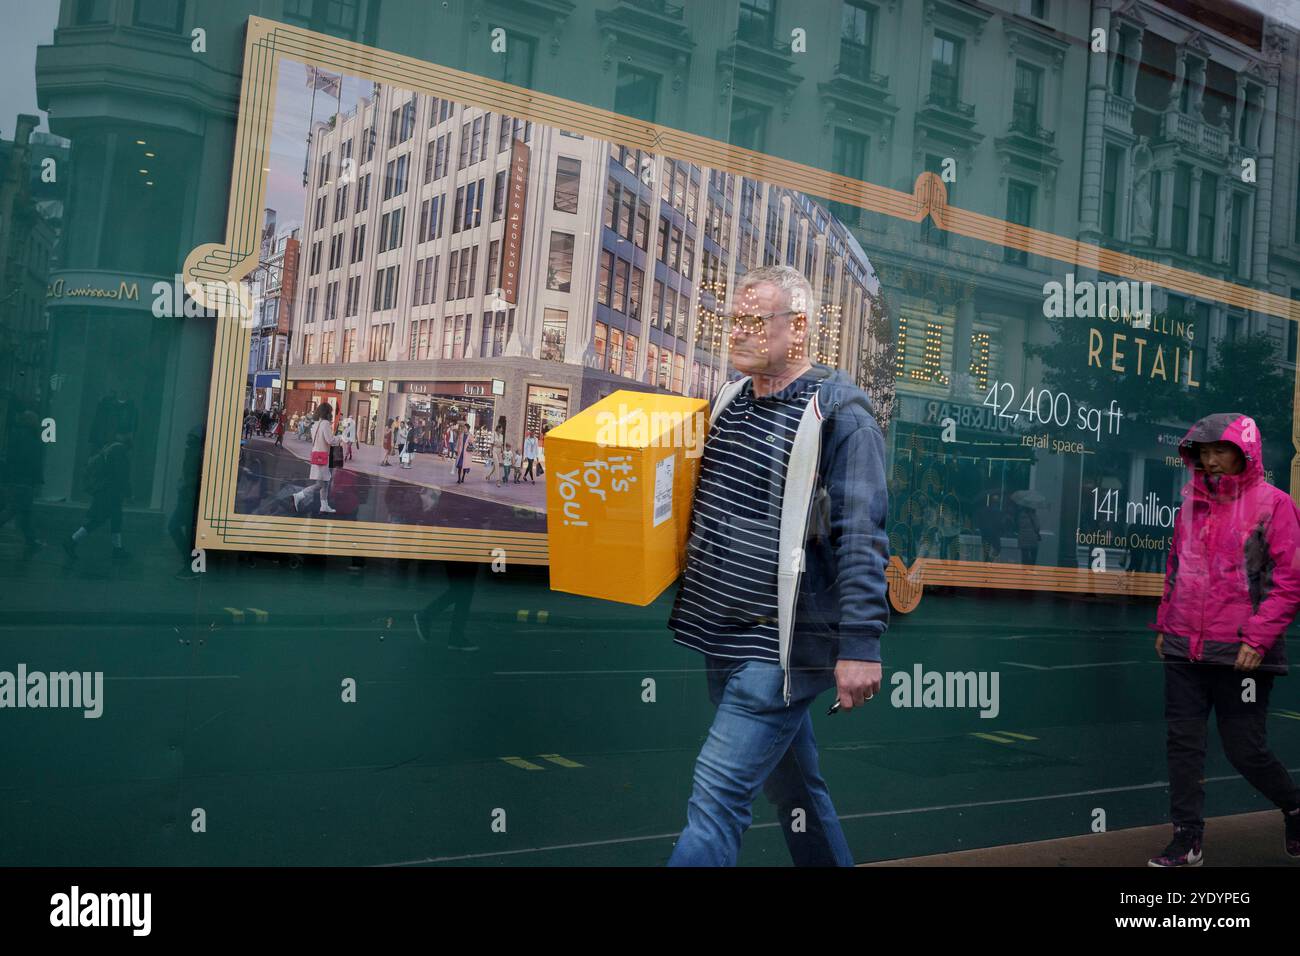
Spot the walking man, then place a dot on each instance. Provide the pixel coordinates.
(784, 590)
(530, 456)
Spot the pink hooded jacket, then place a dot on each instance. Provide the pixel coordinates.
(1234, 568)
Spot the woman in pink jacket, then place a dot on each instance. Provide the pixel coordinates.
(1231, 589)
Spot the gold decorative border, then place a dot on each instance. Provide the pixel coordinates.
(215, 269)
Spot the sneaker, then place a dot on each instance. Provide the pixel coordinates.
(1292, 834)
(327, 510)
(296, 502)
(1183, 850)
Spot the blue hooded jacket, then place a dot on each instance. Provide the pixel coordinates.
(831, 597)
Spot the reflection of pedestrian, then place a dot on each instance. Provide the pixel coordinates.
(322, 439)
(461, 579)
(1231, 590)
(108, 479)
(1028, 535)
(279, 433)
(184, 516)
(23, 475)
(991, 521)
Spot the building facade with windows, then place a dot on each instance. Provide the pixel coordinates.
(459, 264)
(274, 284)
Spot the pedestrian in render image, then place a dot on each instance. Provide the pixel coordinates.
(323, 440)
(784, 588)
(1232, 587)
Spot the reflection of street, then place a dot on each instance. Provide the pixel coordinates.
(363, 491)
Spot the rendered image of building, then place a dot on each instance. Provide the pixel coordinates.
(274, 285)
(468, 263)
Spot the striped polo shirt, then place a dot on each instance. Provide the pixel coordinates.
(726, 605)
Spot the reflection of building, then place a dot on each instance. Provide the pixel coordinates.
(150, 123)
(274, 284)
(1139, 148)
(463, 265)
(140, 192)
(29, 227)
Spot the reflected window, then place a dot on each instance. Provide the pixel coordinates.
(91, 11)
(338, 17)
(848, 158)
(757, 20)
(1205, 216)
(1020, 210)
(857, 26)
(636, 93)
(1110, 189)
(945, 70)
(1024, 109)
(748, 125)
(517, 60)
(1182, 206)
(160, 14)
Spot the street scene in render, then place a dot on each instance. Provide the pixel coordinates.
(438, 286)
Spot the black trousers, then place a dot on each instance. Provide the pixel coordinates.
(104, 508)
(1191, 691)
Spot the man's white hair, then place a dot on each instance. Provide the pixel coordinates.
(799, 291)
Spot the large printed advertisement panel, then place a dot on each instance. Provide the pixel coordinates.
(479, 262)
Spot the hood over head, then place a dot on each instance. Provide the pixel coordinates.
(1233, 427)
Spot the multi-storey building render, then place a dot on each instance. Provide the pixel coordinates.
(274, 284)
(459, 263)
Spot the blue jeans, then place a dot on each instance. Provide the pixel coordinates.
(757, 741)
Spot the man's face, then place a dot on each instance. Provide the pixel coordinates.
(774, 345)
(1221, 458)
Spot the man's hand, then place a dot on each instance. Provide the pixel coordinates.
(1247, 658)
(856, 682)
(1160, 646)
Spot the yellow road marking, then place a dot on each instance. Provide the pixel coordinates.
(1289, 714)
(237, 614)
(542, 616)
(259, 614)
(1009, 733)
(521, 615)
(557, 759)
(522, 764)
(993, 737)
